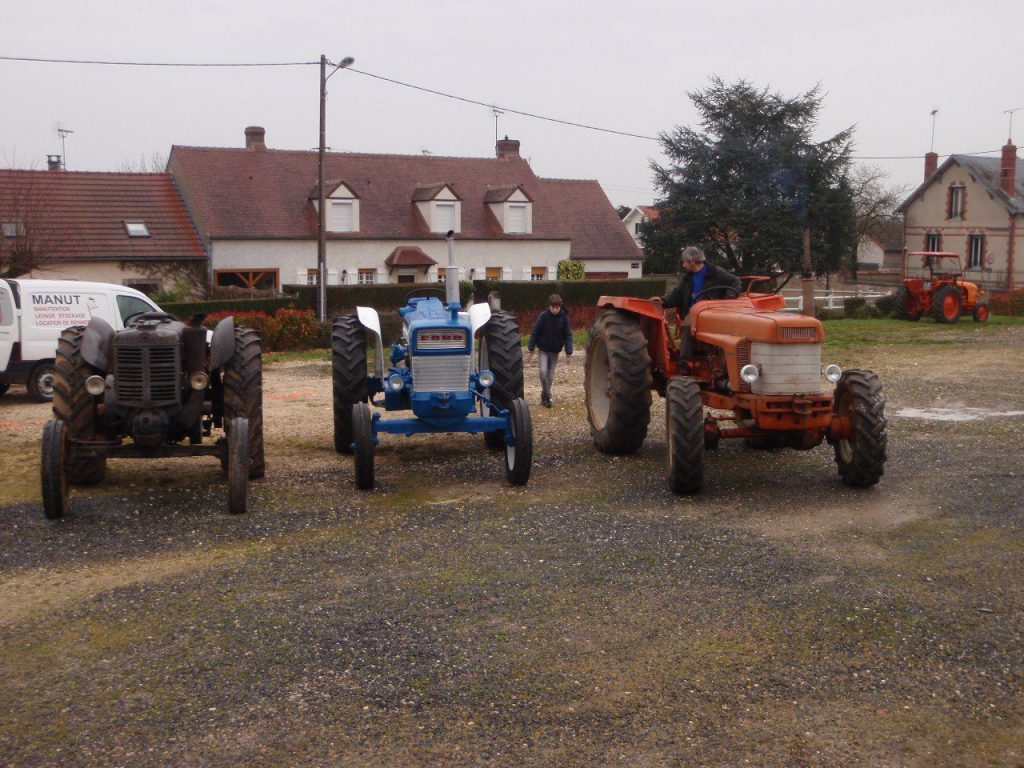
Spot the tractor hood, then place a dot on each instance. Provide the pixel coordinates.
(740, 318)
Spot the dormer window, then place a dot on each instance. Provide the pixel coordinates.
(342, 213)
(513, 209)
(439, 206)
(136, 229)
(444, 217)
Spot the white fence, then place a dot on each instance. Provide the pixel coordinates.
(831, 299)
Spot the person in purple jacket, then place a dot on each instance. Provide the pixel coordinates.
(551, 333)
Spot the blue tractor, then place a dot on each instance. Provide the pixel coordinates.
(457, 371)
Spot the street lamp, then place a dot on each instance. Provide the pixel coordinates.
(321, 246)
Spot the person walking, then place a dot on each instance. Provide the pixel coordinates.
(551, 333)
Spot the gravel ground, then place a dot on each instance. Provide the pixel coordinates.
(590, 618)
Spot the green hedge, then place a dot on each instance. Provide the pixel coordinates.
(530, 295)
(186, 309)
(383, 297)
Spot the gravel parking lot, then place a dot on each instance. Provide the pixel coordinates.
(590, 618)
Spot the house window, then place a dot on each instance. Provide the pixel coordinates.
(444, 217)
(136, 229)
(538, 274)
(407, 278)
(367, 276)
(342, 216)
(13, 228)
(251, 279)
(933, 242)
(311, 276)
(148, 287)
(636, 228)
(956, 202)
(493, 273)
(975, 251)
(516, 223)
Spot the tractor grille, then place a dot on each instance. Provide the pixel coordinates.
(797, 333)
(787, 369)
(441, 338)
(440, 373)
(743, 358)
(147, 376)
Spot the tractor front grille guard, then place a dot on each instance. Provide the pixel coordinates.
(147, 376)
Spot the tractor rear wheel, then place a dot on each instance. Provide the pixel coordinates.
(362, 428)
(861, 456)
(902, 309)
(519, 457)
(617, 383)
(54, 469)
(684, 428)
(980, 315)
(501, 353)
(946, 304)
(76, 407)
(243, 393)
(348, 375)
(238, 465)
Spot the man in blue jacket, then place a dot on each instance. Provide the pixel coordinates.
(551, 333)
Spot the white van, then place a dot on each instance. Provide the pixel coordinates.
(34, 312)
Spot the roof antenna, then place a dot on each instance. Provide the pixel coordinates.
(934, 113)
(1010, 113)
(497, 113)
(63, 133)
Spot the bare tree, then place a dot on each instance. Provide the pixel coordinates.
(24, 240)
(156, 163)
(874, 201)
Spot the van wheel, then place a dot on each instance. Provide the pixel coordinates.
(40, 382)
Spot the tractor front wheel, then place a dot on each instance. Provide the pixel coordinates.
(946, 304)
(684, 426)
(519, 457)
(348, 376)
(76, 407)
(243, 393)
(860, 456)
(362, 429)
(54, 469)
(980, 313)
(238, 465)
(617, 383)
(502, 354)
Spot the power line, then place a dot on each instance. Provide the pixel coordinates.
(421, 88)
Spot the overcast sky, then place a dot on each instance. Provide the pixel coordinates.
(621, 65)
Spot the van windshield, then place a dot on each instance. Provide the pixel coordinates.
(132, 305)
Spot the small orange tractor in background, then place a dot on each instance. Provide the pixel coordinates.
(757, 367)
(935, 284)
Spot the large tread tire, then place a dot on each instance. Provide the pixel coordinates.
(501, 352)
(238, 465)
(684, 427)
(53, 469)
(348, 375)
(617, 383)
(902, 302)
(243, 393)
(76, 407)
(362, 435)
(3, 389)
(861, 458)
(519, 457)
(41, 382)
(946, 305)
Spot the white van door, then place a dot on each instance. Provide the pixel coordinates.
(8, 324)
(48, 310)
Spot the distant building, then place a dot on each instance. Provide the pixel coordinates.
(124, 228)
(972, 206)
(256, 210)
(636, 217)
(881, 249)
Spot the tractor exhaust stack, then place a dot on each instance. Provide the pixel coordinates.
(451, 286)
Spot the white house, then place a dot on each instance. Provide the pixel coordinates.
(636, 217)
(256, 211)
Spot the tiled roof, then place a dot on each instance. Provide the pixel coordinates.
(650, 212)
(501, 194)
(430, 191)
(239, 193)
(986, 171)
(408, 256)
(81, 215)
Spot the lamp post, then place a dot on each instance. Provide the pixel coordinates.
(321, 246)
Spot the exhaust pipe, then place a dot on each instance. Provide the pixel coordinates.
(451, 286)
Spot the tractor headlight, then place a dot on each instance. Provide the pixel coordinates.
(396, 382)
(486, 379)
(198, 380)
(750, 373)
(95, 385)
(833, 373)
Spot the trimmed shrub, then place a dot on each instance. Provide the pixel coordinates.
(287, 330)
(575, 293)
(186, 309)
(343, 299)
(886, 305)
(854, 304)
(863, 312)
(1007, 303)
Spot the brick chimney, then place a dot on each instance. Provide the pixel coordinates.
(931, 163)
(506, 148)
(1008, 168)
(53, 162)
(254, 138)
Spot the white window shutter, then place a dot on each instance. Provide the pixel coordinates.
(382, 275)
(332, 277)
(527, 273)
(300, 277)
(506, 273)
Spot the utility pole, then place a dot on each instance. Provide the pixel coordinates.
(807, 281)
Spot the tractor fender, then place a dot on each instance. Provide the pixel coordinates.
(371, 322)
(97, 342)
(222, 344)
(479, 315)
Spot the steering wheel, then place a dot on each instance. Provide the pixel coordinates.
(148, 314)
(426, 291)
(696, 297)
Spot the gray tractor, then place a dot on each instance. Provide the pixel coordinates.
(155, 389)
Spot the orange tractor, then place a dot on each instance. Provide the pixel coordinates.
(756, 367)
(938, 287)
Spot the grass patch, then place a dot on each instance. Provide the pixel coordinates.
(841, 335)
